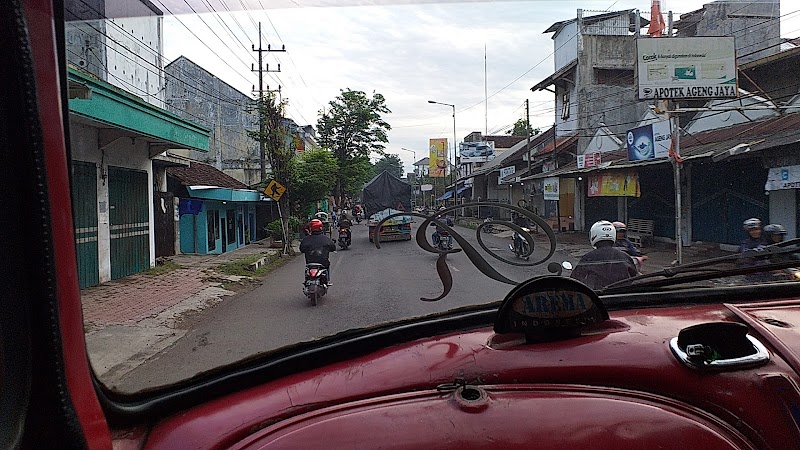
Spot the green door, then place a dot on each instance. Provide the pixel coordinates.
(129, 218)
(84, 215)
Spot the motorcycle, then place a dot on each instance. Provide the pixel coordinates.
(442, 240)
(489, 227)
(520, 246)
(344, 238)
(358, 216)
(315, 285)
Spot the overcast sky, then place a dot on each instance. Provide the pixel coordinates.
(409, 53)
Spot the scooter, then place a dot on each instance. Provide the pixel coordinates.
(523, 249)
(344, 238)
(315, 285)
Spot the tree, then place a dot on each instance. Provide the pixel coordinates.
(520, 129)
(271, 135)
(352, 128)
(313, 177)
(389, 162)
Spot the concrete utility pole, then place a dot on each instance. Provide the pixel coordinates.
(528, 132)
(261, 70)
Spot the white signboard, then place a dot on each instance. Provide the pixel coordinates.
(787, 177)
(686, 68)
(426, 187)
(588, 160)
(504, 172)
(550, 188)
(649, 141)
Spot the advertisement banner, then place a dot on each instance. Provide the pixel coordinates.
(614, 184)
(550, 188)
(686, 68)
(787, 177)
(438, 158)
(476, 151)
(649, 141)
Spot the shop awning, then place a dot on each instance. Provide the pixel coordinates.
(223, 194)
(449, 194)
(121, 114)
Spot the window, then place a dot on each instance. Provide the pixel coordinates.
(565, 106)
(613, 77)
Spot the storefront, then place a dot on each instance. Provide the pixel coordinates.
(216, 220)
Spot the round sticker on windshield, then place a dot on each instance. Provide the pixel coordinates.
(549, 305)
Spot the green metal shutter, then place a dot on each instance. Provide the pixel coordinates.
(129, 218)
(84, 215)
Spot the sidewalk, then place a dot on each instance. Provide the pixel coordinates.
(132, 319)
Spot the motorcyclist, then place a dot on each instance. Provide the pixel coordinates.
(623, 242)
(346, 223)
(754, 237)
(605, 264)
(522, 221)
(316, 247)
(446, 219)
(774, 233)
(357, 210)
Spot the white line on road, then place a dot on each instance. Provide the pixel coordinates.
(454, 268)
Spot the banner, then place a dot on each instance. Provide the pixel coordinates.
(438, 158)
(614, 184)
(649, 141)
(686, 68)
(550, 188)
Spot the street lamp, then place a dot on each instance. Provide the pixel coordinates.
(455, 157)
(414, 194)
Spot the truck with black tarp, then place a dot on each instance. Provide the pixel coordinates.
(385, 195)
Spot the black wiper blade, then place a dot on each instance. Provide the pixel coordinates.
(700, 270)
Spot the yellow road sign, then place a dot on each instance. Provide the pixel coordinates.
(274, 190)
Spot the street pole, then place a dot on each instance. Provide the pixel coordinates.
(676, 142)
(528, 132)
(453, 177)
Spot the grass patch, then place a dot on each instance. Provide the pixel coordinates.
(167, 267)
(241, 267)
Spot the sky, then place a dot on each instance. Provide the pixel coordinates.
(410, 53)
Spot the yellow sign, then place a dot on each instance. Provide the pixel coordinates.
(616, 184)
(274, 190)
(438, 158)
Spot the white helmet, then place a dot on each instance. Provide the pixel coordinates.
(602, 230)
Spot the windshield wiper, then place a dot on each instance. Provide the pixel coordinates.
(700, 270)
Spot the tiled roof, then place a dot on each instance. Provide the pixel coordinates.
(504, 141)
(200, 174)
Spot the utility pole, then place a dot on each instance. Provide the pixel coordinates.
(261, 70)
(528, 132)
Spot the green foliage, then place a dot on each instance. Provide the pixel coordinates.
(313, 177)
(520, 129)
(391, 163)
(353, 128)
(274, 227)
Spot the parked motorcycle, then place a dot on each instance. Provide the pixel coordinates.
(315, 285)
(520, 246)
(489, 227)
(344, 238)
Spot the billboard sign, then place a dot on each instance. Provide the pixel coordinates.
(787, 177)
(438, 158)
(686, 68)
(550, 188)
(478, 152)
(649, 141)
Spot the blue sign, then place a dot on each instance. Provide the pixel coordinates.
(649, 141)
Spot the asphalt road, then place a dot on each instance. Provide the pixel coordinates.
(371, 286)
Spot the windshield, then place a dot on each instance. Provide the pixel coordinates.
(251, 175)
